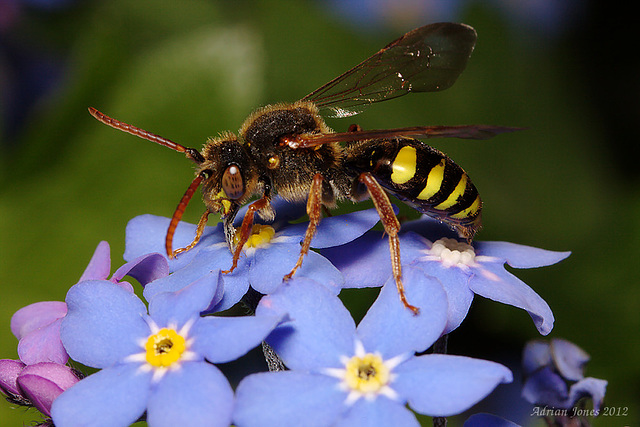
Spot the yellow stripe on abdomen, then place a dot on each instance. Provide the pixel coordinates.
(404, 165)
(434, 182)
(469, 212)
(456, 194)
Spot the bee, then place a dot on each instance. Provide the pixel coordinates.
(288, 149)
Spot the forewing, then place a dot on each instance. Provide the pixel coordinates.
(427, 59)
(463, 132)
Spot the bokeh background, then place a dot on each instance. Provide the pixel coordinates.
(567, 71)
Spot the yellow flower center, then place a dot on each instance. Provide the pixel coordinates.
(260, 235)
(366, 374)
(164, 348)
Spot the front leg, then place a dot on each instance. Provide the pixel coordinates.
(199, 231)
(245, 229)
(247, 224)
(177, 215)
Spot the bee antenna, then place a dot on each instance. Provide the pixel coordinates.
(191, 153)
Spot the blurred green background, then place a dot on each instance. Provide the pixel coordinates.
(188, 70)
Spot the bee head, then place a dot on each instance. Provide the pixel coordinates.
(228, 175)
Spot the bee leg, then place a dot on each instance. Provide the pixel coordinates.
(199, 230)
(314, 210)
(177, 215)
(245, 229)
(468, 232)
(391, 227)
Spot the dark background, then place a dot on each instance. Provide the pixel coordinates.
(567, 71)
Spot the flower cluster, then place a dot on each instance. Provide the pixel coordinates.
(157, 360)
(554, 376)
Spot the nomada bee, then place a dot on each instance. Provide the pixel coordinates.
(288, 149)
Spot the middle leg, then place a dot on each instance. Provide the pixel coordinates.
(314, 210)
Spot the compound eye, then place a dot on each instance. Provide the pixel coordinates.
(232, 182)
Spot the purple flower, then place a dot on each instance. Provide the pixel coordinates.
(554, 375)
(464, 270)
(37, 385)
(144, 269)
(9, 371)
(160, 362)
(37, 326)
(341, 375)
(268, 257)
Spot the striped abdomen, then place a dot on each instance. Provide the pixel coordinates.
(421, 176)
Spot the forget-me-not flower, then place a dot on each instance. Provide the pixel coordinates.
(160, 362)
(343, 375)
(270, 254)
(37, 325)
(554, 375)
(464, 270)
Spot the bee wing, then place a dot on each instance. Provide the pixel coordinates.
(427, 59)
(464, 132)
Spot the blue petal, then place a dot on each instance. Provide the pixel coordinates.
(504, 287)
(285, 212)
(112, 397)
(235, 285)
(321, 270)
(223, 339)
(381, 412)
(197, 395)
(520, 256)
(460, 298)
(569, 359)
(288, 399)
(146, 234)
(206, 264)
(145, 269)
(429, 228)
(456, 285)
(589, 387)
(320, 330)
(271, 264)
(392, 329)
(442, 385)
(536, 354)
(546, 387)
(178, 307)
(103, 324)
(366, 262)
(488, 420)
(336, 230)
